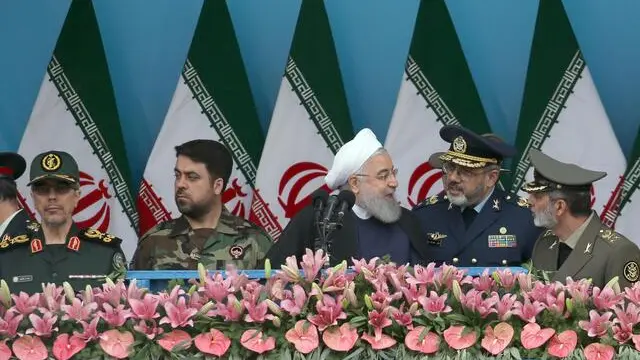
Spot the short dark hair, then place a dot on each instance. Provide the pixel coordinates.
(213, 154)
(578, 201)
(8, 189)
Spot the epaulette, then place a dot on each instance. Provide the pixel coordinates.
(609, 236)
(33, 226)
(100, 237)
(431, 200)
(9, 242)
(518, 200)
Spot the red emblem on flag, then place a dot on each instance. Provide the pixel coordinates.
(297, 184)
(422, 182)
(233, 197)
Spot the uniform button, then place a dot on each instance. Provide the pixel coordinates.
(504, 262)
(455, 260)
(473, 261)
(55, 274)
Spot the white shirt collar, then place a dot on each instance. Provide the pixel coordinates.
(5, 224)
(360, 212)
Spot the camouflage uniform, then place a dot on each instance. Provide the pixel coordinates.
(173, 245)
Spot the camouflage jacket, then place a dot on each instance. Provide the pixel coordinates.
(168, 246)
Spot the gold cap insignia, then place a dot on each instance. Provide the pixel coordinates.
(460, 145)
(236, 252)
(631, 271)
(51, 162)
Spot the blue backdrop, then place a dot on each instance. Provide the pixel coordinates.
(146, 42)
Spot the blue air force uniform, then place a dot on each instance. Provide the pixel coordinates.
(502, 234)
(496, 231)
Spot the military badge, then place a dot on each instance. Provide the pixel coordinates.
(631, 271)
(502, 241)
(51, 162)
(435, 238)
(74, 243)
(496, 204)
(33, 226)
(118, 260)
(460, 145)
(522, 202)
(36, 246)
(236, 252)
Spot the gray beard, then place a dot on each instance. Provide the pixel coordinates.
(387, 211)
(545, 218)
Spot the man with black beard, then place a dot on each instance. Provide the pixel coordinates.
(577, 244)
(206, 232)
(376, 225)
(474, 223)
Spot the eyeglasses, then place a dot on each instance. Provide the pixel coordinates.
(464, 172)
(383, 175)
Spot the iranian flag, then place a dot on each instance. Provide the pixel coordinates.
(76, 112)
(310, 123)
(436, 90)
(562, 114)
(627, 222)
(212, 101)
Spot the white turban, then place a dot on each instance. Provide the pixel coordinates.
(350, 158)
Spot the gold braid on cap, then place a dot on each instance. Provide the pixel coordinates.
(467, 160)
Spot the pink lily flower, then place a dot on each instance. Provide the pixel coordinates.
(606, 298)
(145, 309)
(434, 304)
(633, 293)
(329, 312)
(294, 302)
(484, 282)
(335, 281)
(110, 293)
(78, 310)
(413, 292)
(231, 311)
(578, 290)
(114, 316)
(422, 275)
(89, 330)
(359, 265)
(379, 320)
(505, 306)
(133, 291)
(25, 304)
(312, 263)
(178, 315)
(527, 311)
(525, 281)
(42, 326)
(217, 287)
(171, 297)
(149, 331)
(257, 313)
(506, 278)
(52, 297)
(597, 324)
(9, 323)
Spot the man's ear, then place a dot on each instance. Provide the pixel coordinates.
(218, 186)
(354, 184)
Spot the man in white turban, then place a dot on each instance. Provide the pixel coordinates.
(376, 226)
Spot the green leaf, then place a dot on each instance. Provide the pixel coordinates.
(457, 318)
(355, 354)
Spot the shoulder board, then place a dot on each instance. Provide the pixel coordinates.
(431, 200)
(9, 242)
(517, 200)
(100, 237)
(609, 235)
(33, 226)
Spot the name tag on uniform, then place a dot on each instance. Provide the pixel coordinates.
(502, 241)
(22, 278)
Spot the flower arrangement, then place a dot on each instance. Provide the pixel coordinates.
(370, 310)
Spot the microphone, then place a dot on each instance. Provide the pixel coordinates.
(347, 199)
(318, 200)
(332, 203)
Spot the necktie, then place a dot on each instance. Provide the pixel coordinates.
(468, 215)
(563, 253)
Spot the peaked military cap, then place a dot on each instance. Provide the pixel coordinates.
(550, 174)
(54, 165)
(471, 150)
(12, 165)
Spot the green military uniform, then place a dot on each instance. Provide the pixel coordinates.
(595, 251)
(86, 257)
(173, 245)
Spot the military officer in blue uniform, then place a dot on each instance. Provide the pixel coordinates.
(472, 222)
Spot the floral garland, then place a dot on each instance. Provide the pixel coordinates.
(371, 310)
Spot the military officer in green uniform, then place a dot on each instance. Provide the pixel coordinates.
(206, 232)
(57, 250)
(576, 244)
